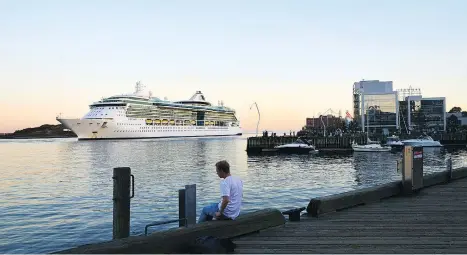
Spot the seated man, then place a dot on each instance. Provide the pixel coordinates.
(231, 192)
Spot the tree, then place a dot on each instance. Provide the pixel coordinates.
(455, 109)
(353, 126)
(452, 124)
(464, 114)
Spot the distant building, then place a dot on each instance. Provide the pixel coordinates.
(376, 106)
(423, 114)
(329, 122)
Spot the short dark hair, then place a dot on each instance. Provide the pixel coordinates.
(223, 166)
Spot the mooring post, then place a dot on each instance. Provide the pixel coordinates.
(181, 208)
(121, 200)
(190, 204)
(449, 168)
(187, 205)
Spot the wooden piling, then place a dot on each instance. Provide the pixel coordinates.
(181, 208)
(121, 202)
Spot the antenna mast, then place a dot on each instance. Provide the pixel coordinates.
(139, 87)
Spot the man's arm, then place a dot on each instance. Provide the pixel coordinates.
(225, 201)
(225, 193)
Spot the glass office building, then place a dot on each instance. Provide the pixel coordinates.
(380, 112)
(376, 106)
(423, 114)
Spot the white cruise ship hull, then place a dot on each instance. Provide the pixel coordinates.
(96, 129)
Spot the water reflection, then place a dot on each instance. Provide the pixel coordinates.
(57, 192)
(375, 167)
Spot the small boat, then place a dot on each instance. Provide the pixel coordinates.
(298, 147)
(424, 141)
(394, 142)
(370, 148)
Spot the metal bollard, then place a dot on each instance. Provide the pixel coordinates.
(449, 168)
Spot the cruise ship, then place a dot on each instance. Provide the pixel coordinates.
(136, 115)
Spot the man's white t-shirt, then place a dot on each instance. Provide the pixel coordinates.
(232, 187)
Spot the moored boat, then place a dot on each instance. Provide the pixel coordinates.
(370, 148)
(424, 141)
(300, 146)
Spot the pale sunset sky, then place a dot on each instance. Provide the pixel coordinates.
(294, 58)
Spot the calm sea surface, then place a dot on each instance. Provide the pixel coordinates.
(57, 193)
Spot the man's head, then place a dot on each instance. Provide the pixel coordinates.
(223, 169)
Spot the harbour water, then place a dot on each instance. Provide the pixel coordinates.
(57, 193)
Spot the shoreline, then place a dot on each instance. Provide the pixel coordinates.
(42, 132)
(33, 137)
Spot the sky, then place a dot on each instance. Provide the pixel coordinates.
(293, 58)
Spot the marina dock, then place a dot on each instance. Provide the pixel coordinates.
(337, 144)
(260, 144)
(432, 221)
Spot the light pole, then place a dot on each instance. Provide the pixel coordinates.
(259, 116)
(321, 118)
(324, 125)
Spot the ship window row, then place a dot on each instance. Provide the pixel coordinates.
(165, 130)
(180, 127)
(104, 108)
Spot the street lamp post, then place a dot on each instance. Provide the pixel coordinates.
(259, 116)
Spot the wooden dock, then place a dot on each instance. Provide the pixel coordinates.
(419, 214)
(324, 144)
(338, 144)
(432, 221)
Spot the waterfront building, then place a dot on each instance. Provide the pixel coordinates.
(329, 122)
(423, 115)
(376, 106)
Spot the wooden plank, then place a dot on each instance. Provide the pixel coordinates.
(348, 199)
(432, 221)
(360, 240)
(459, 173)
(171, 240)
(338, 233)
(318, 206)
(358, 249)
(352, 246)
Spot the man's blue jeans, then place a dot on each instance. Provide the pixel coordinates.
(208, 212)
